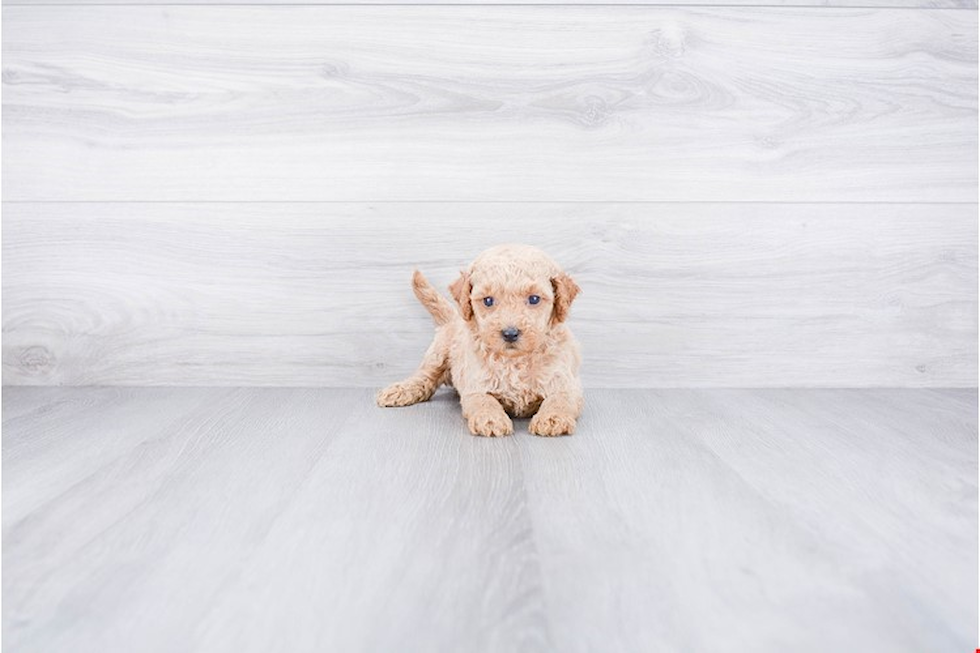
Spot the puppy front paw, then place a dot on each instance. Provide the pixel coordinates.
(549, 423)
(491, 423)
(403, 393)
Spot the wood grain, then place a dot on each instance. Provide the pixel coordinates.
(318, 294)
(239, 103)
(421, 538)
(893, 4)
(110, 544)
(61, 453)
(310, 520)
(225, 494)
(885, 467)
(680, 504)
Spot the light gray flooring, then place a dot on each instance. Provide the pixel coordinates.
(220, 519)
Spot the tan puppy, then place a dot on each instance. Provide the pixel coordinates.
(506, 349)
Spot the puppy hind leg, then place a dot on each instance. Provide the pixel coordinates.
(430, 374)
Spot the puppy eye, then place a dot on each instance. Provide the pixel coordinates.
(488, 301)
(533, 299)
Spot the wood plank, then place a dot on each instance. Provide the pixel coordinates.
(883, 4)
(284, 520)
(318, 294)
(48, 454)
(889, 484)
(21, 401)
(420, 540)
(311, 520)
(238, 103)
(133, 555)
(672, 505)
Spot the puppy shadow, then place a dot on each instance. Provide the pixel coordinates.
(445, 396)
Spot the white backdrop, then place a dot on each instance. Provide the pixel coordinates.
(237, 195)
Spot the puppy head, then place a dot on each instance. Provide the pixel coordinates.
(512, 296)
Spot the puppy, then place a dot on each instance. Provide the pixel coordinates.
(504, 347)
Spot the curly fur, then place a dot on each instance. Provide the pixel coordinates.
(535, 376)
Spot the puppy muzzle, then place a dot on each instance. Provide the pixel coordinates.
(510, 334)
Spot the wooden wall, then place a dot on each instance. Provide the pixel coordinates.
(764, 195)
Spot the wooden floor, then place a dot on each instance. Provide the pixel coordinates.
(221, 519)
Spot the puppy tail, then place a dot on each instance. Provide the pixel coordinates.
(442, 309)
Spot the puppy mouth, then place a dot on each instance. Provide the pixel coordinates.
(509, 347)
(513, 349)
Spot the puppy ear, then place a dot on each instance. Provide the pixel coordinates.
(460, 290)
(565, 291)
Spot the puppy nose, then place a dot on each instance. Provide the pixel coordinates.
(511, 334)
